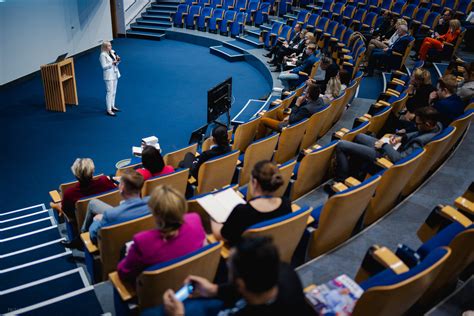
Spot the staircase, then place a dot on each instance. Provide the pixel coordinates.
(37, 274)
(154, 21)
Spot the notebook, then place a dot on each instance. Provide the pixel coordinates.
(219, 205)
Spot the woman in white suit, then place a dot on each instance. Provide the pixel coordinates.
(109, 62)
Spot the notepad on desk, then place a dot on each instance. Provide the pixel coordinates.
(219, 205)
(386, 140)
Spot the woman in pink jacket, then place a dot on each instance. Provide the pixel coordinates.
(178, 233)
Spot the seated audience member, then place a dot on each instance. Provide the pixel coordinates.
(100, 214)
(83, 169)
(366, 149)
(466, 90)
(419, 90)
(297, 58)
(387, 38)
(259, 285)
(265, 180)
(292, 49)
(177, 233)
(383, 56)
(384, 30)
(438, 42)
(330, 68)
(441, 28)
(446, 101)
(220, 146)
(153, 164)
(305, 106)
(345, 78)
(284, 44)
(333, 90)
(290, 78)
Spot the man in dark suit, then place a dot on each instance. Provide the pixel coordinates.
(446, 101)
(291, 77)
(284, 44)
(383, 56)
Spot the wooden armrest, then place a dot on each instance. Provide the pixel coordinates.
(347, 57)
(393, 91)
(340, 133)
(125, 291)
(399, 73)
(197, 154)
(242, 9)
(367, 115)
(339, 187)
(384, 103)
(398, 81)
(295, 207)
(225, 251)
(301, 73)
(218, 19)
(55, 196)
(363, 119)
(397, 54)
(211, 238)
(351, 182)
(192, 180)
(465, 205)
(286, 93)
(365, 25)
(276, 102)
(341, 44)
(384, 163)
(86, 239)
(423, 26)
(345, 50)
(453, 214)
(388, 259)
(327, 34)
(184, 13)
(347, 64)
(391, 94)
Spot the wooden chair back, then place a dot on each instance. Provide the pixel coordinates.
(406, 53)
(206, 145)
(217, 173)
(398, 105)
(461, 125)
(64, 186)
(175, 157)
(361, 129)
(112, 198)
(177, 179)
(245, 134)
(152, 284)
(285, 231)
(335, 106)
(259, 150)
(312, 170)
(289, 142)
(340, 106)
(272, 113)
(431, 156)
(391, 185)
(462, 255)
(396, 299)
(339, 217)
(314, 126)
(112, 239)
(378, 120)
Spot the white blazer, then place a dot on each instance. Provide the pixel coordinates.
(111, 71)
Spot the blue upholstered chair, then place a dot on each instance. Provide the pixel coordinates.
(217, 15)
(191, 16)
(178, 15)
(312, 22)
(203, 18)
(225, 23)
(237, 26)
(263, 11)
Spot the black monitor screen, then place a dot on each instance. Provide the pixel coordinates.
(219, 100)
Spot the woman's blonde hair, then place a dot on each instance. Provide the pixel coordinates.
(83, 170)
(168, 206)
(422, 76)
(310, 37)
(334, 87)
(103, 47)
(401, 22)
(454, 24)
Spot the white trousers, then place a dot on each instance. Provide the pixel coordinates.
(111, 87)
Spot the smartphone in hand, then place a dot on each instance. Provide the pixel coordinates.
(184, 292)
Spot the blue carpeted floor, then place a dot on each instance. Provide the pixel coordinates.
(162, 92)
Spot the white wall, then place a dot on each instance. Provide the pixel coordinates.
(35, 32)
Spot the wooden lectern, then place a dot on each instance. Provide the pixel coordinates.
(59, 85)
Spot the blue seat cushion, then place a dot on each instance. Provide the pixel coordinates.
(388, 277)
(442, 238)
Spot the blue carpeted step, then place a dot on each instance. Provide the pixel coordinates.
(159, 12)
(255, 32)
(239, 45)
(276, 19)
(24, 219)
(148, 28)
(22, 212)
(248, 111)
(228, 53)
(36, 270)
(42, 290)
(141, 21)
(147, 35)
(164, 7)
(24, 228)
(29, 240)
(253, 41)
(266, 27)
(176, 3)
(83, 302)
(29, 255)
(153, 17)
